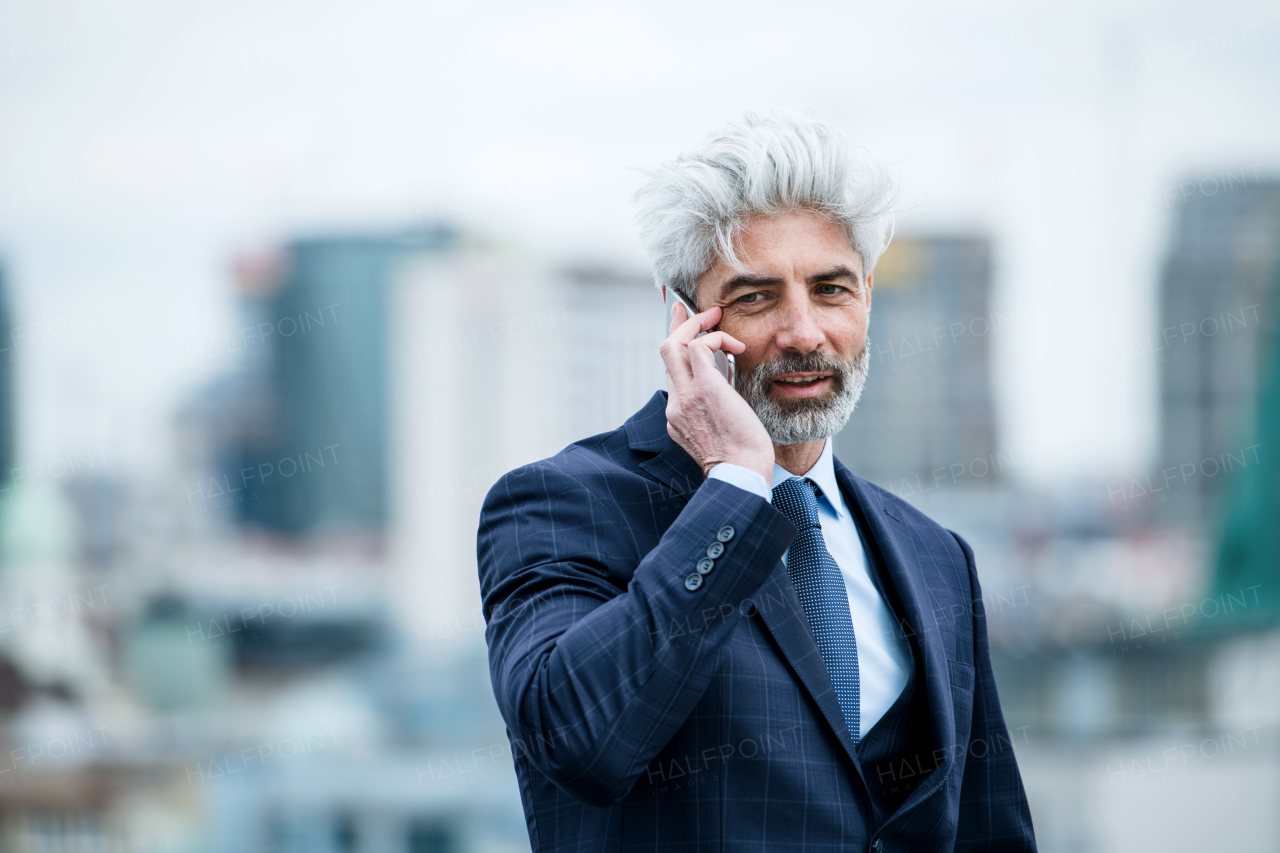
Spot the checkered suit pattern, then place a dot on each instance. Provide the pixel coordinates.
(650, 712)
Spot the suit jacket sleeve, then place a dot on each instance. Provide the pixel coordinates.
(994, 814)
(597, 661)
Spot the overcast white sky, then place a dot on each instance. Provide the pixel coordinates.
(143, 143)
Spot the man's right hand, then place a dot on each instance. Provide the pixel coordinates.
(705, 416)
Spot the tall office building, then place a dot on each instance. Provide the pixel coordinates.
(1217, 328)
(306, 438)
(927, 416)
(501, 360)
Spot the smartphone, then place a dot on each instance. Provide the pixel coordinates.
(725, 362)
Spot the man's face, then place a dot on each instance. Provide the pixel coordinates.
(801, 308)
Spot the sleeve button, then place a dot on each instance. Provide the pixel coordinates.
(726, 533)
(692, 582)
(715, 549)
(705, 565)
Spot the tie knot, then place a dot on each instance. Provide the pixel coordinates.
(797, 499)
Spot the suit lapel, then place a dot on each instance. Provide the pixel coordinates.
(886, 529)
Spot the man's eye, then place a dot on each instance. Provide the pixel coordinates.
(747, 300)
(834, 288)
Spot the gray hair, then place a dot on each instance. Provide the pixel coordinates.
(693, 207)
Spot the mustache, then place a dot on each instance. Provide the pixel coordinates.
(810, 362)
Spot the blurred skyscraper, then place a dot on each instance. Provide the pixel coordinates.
(501, 359)
(1249, 554)
(307, 441)
(927, 415)
(1217, 328)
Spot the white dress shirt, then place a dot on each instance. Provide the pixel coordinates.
(883, 654)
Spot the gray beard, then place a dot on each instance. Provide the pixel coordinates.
(791, 421)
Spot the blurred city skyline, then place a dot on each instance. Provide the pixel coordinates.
(288, 288)
(148, 147)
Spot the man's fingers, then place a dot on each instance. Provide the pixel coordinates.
(678, 317)
(676, 358)
(702, 358)
(675, 354)
(723, 341)
(695, 325)
(699, 355)
(679, 358)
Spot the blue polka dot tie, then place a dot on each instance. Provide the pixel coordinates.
(821, 589)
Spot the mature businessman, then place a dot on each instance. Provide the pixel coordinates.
(706, 633)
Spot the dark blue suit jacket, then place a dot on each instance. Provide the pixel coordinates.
(647, 716)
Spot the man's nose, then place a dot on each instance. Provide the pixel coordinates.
(799, 327)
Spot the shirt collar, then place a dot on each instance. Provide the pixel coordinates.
(823, 473)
